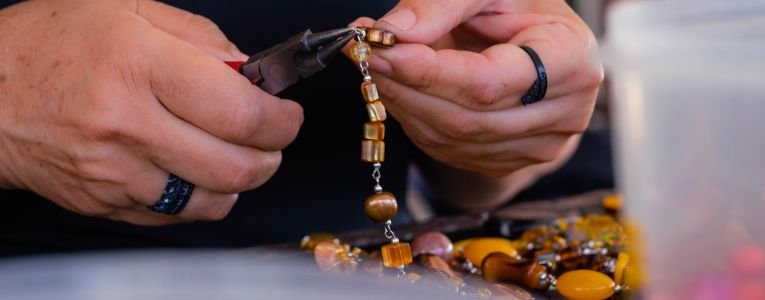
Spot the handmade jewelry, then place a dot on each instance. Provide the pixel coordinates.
(382, 206)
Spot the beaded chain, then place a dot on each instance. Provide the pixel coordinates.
(382, 206)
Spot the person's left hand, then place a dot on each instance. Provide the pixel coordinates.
(455, 79)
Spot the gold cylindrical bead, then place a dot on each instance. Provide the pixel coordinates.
(376, 111)
(373, 151)
(369, 90)
(380, 38)
(374, 131)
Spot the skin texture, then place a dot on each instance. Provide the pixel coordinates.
(102, 99)
(455, 79)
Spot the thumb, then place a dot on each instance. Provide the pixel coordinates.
(192, 28)
(425, 21)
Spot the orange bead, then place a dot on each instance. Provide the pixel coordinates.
(396, 255)
(376, 111)
(372, 151)
(622, 261)
(374, 131)
(585, 284)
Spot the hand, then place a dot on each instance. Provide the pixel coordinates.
(455, 79)
(102, 100)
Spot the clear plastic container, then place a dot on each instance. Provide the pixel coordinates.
(689, 104)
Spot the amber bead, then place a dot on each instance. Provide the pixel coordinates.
(374, 131)
(372, 151)
(376, 111)
(360, 51)
(396, 255)
(309, 242)
(479, 248)
(389, 39)
(381, 207)
(585, 284)
(612, 202)
(432, 262)
(369, 91)
(433, 242)
(499, 267)
(380, 38)
(332, 257)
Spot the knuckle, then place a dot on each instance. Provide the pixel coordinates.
(485, 91)
(463, 126)
(244, 122)
(252, 173)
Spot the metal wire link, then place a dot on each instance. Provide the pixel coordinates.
(389, 234)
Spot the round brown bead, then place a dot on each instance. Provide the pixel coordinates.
(381, 207)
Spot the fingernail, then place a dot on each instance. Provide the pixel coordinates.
(403, 19)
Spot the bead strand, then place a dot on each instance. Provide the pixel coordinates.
(382, 206)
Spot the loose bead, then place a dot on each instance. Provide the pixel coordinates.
(369, 90)
(309, 242)
(585, 284)
(361, 52)
(374, 131)
(376, 111)
(621, 264)
(432, 262)
(381, 207)
(373, 151)
(433, 242)
(479, 248)
(499, 267)
(332, 257)
(396, 255)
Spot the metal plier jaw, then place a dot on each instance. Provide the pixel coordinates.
(301, 56)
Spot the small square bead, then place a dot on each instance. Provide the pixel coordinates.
(389, 39)
(374, 131)
(369, 90)
(396, 255)
(372, 151)
(374, 36)
(376, 111)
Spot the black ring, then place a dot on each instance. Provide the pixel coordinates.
(175, 197)
(538, 90)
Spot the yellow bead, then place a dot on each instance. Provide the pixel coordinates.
(459, 247)
(621, 264)
(479, 248)
(374, 131)
(396, 255)
(376, 111)
(373, 151)
(585, 284)
(369, 90)
(361, 51)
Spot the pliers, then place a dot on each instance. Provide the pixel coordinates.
(301, 56)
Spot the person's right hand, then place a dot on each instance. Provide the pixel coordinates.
(101, 99)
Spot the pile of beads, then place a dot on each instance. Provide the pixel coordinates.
(577, 257)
